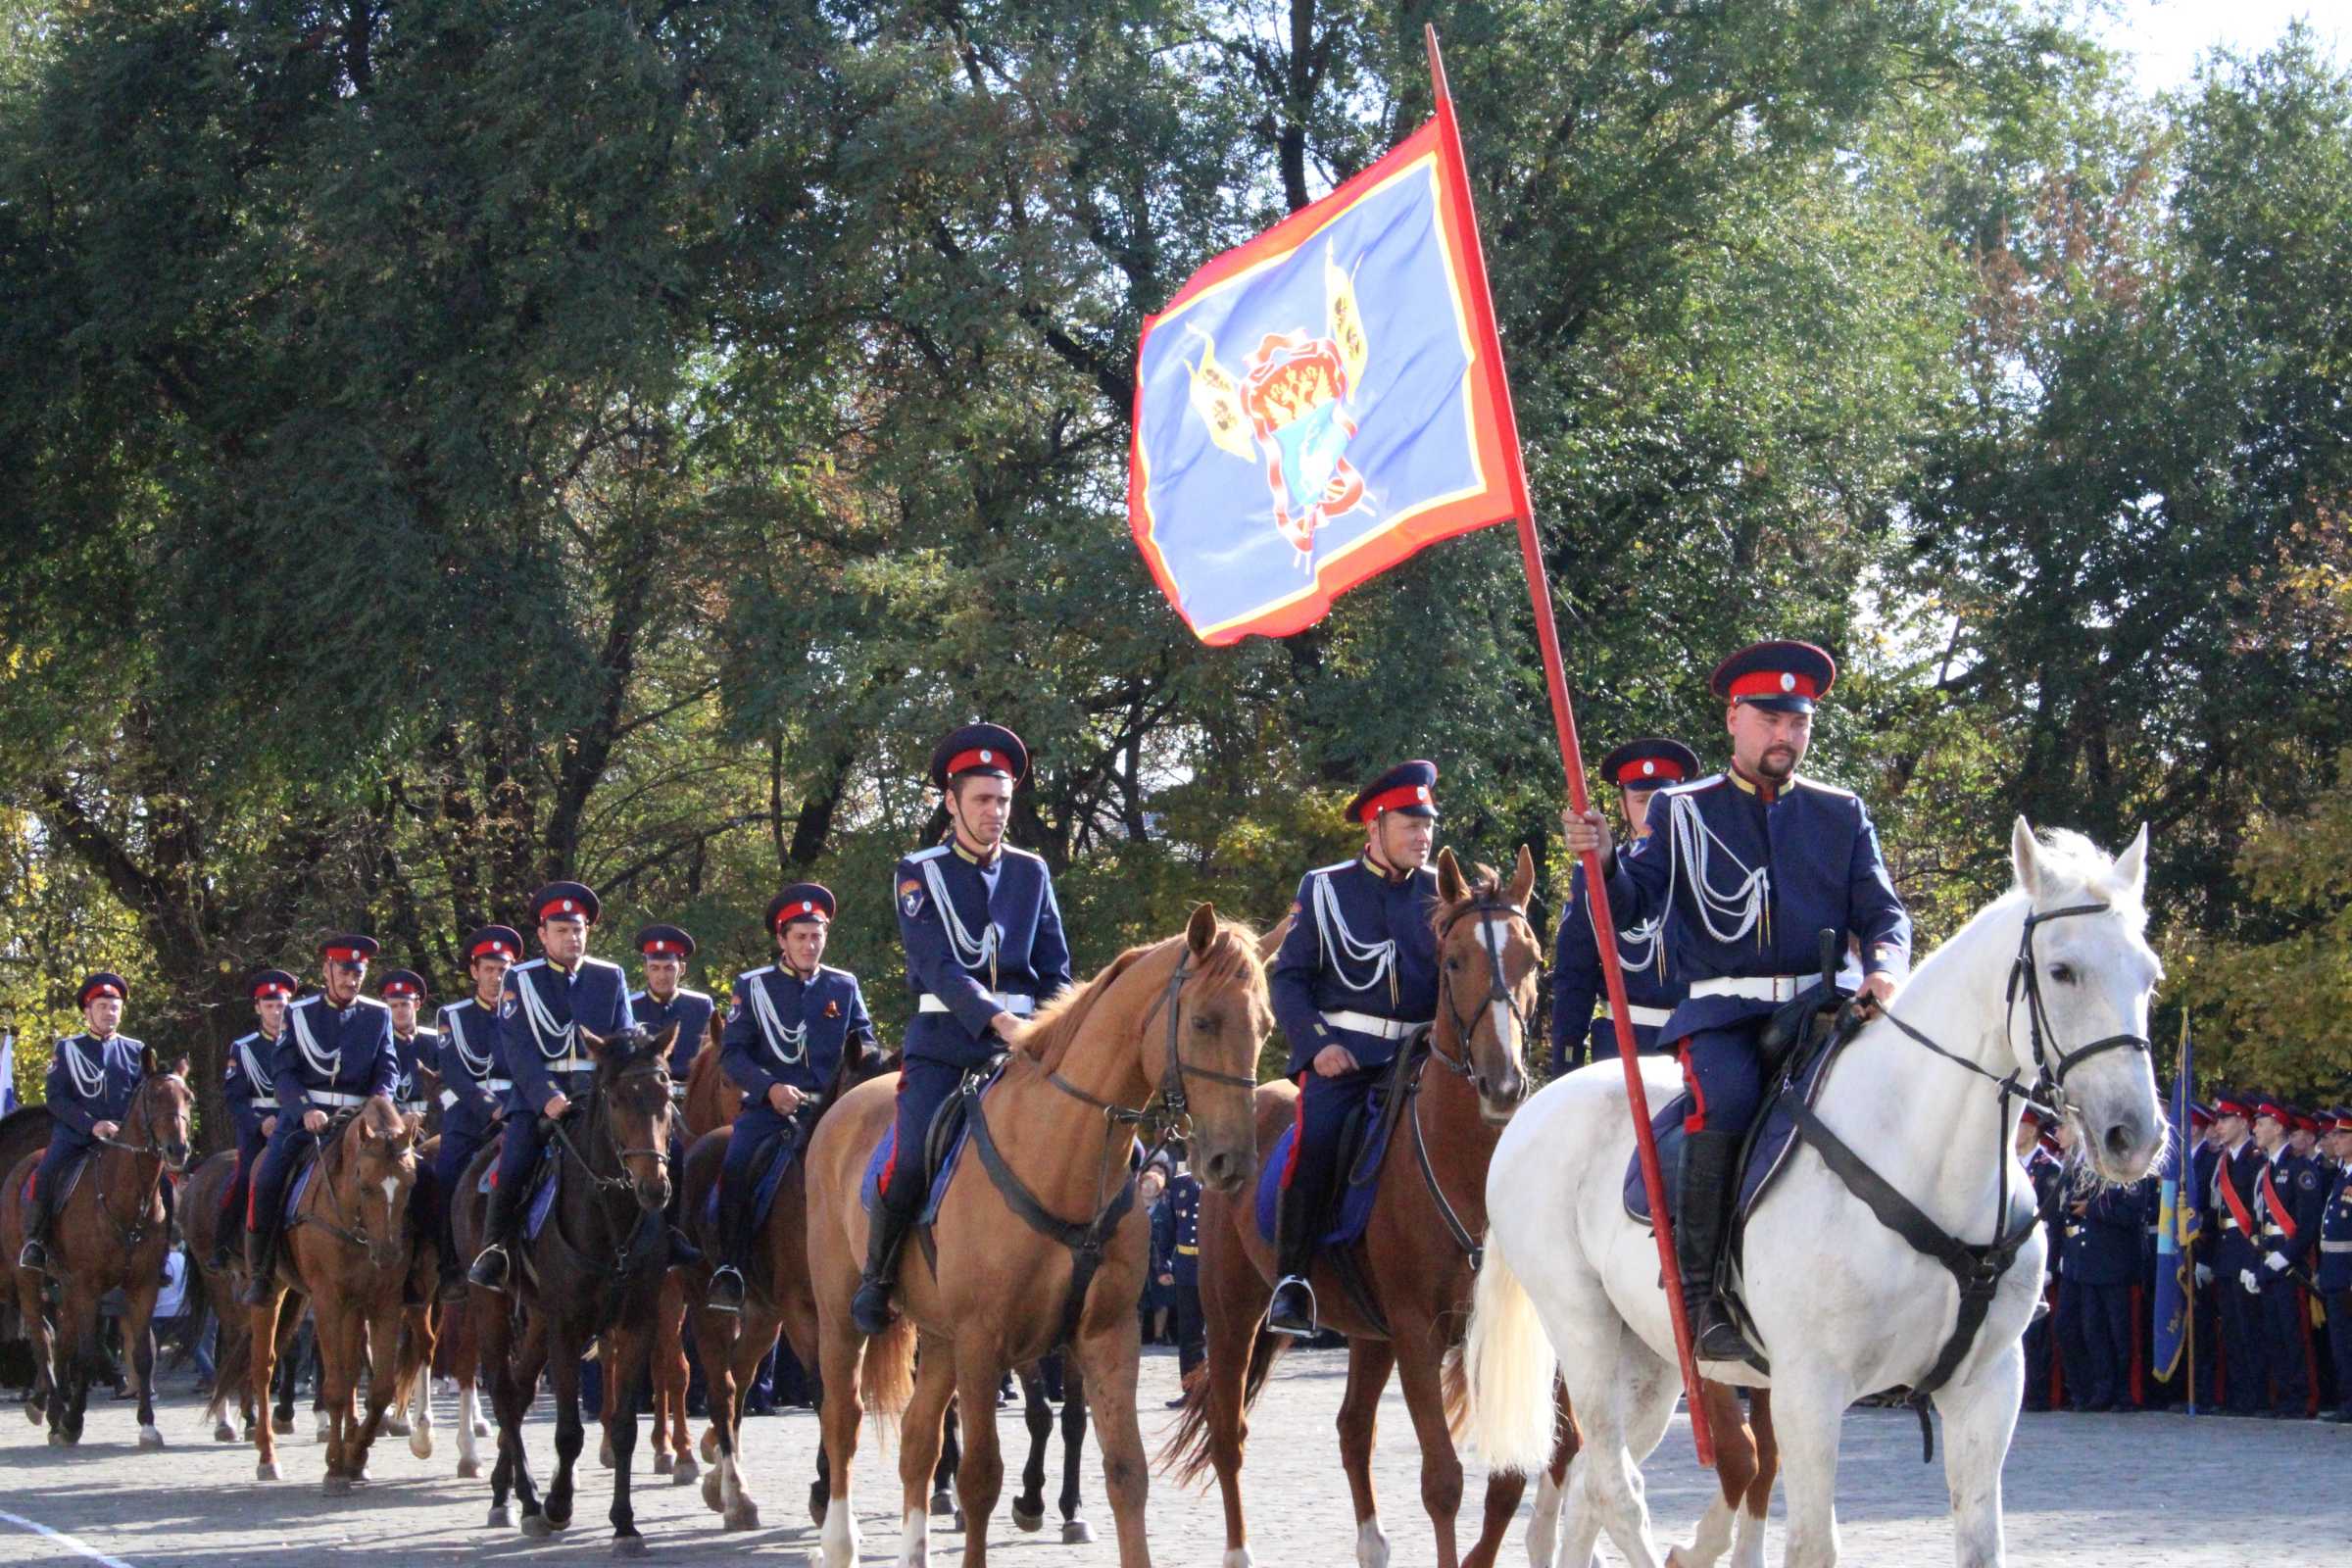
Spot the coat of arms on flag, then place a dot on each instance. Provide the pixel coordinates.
(1320, 403)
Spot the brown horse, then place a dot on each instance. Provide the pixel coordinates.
(200, 1207)
(594, 1270)
(1746, 1461)
(108, 1234)
(349, 1249)
(1416, 1260)
(1179, 1023)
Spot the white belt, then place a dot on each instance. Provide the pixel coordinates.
(327, 1097)
(571, 1064)
(1756, 987)
(1647, 1018)
(1363, 1023)
(498, 1086)
(1011, 1001)
(416, 1105)
(2337, 1247)
(448, 1099)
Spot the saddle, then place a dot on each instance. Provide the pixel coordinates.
(943, 1143)
(68, 1178)
(1363, 1146)
(544, 1180)
(771, 1162)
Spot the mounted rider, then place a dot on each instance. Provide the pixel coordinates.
(983, 947)
(91, 1084)
(1356, 975)
(252, 1097)
(336, 1055)
(547, 1003)
(1751, 864)
(668, 1000)
(789, 1027)
(403, 992)
(1580, 1005)
(473, 1081)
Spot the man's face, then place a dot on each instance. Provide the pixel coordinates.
(980, 805)
(2066, 1137)
(2340, 1147)
(2028, 1133)
(489, 975)
(663, 973)
(1402, 842)
(344, 977)
(2302, 1142)
(1767, 744)
(2229, 1130)
(272, 1012)
(2269, 1132)
(564, 941)
(404, 1014)
(803, 945)
(103, 1015)
(1636, 812)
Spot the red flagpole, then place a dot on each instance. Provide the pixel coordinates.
(1563, 716)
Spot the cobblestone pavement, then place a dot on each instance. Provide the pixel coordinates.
(2080, 1490)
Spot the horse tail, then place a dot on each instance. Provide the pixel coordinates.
(1507, 1369)
(886, 1377)
(1188, 1453)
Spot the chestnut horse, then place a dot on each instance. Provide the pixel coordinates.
(108, 1234)
(201, 1218)
(1746, 1463)
(349, 1249)
(1178, 1024)
(1416, 1257)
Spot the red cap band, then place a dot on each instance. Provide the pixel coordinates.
(345, 955)
(1648, 771)
(401, 987)
(100, 991)
(660, 948)
(491, 945)
(1390, 800)
(1774, 683)
(984, 757)
(805, 909)
(272, 988)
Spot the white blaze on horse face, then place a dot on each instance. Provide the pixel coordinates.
(391, 1185)
(1497, 939)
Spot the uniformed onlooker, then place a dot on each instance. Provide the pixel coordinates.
(984, 946)
(1155, 1304)
(1749, 866)
(2035, 1146)
(2102, 1227)
(1183, 1207)
(789, 1025)
(91, 1082)
(1580, 1021)
(2244, 1365)
(1356, 977)
(548, 1002)
(2287, 1198)
(336, 1055)
(252, 1098)
(404, 992)
(475, 1085)
(2335, 1277)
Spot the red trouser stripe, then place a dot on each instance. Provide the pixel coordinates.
(1290, 1165)
(1697, 1121)
(890, 1161)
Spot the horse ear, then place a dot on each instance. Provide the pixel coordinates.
(1452, 889)
(1523, 880)
(668, 1038)
(149, 1068)
(2131, 866)
(1202, 929)
(2022, 857)
(180, 1067)
(595, 1042)
(1271, 943)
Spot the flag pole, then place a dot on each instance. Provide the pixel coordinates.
(2186, 1163)
(1563, 716)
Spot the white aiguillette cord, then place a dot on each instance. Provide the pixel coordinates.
(1694, 841)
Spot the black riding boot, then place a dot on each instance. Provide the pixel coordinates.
(1708, 1170)
(35, 1253)
(870, 1307)
(726, 1282)
(501, 1224)
(1295, 1227)
(260, 1264)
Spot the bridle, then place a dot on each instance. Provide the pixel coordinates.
(135, 1232)
(380, 1252)
(1483, 905)
(622, 1182)
(1170, 1102)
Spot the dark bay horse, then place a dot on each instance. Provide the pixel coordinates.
(1177, 1024)
(594, 1270)
(1416, 1255)
(109, 1233)
(351, 1252)
(232, 1372)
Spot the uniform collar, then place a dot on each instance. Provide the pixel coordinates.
(787, 971)
(1767, 793)
(1395, 879)
(662, 1002)
(955, 842)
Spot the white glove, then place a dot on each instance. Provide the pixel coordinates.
(2246, 1277)
(2275, 1262)
(2204, 1275)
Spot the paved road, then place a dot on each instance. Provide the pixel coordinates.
(2079, 1488)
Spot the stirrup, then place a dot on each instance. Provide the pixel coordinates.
(33, 1255)
(726, 1290)
(1282, 1313)
(490, 1267)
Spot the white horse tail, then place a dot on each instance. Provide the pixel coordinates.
(1512, 1365)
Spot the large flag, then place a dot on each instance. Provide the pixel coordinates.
(8, 1072)
(1320, 403)
(2177, 1228)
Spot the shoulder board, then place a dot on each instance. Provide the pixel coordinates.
(1807, 782)
(931, 854)
(601, 964)
(753, 975)
(1026, 854)
(372, 1002)
(245, 1040)
(528, 963)
(1335, 866)
(129, 1044)
(313, 999)
(1695, 786)
(635, 997)
(424, 1033)
(697, 995)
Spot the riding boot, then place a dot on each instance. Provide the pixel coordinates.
(35, 1253)
(260, 1264)
(173, 1239)
(501, 1224)
(1707, 1172)
(870, 1307)
(1295, 1227)
(726, 1284)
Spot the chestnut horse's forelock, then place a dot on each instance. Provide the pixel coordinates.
(1233, 954)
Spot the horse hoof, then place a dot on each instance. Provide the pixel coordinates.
(818, 1497)
(1077, 1533)
(282, 1425)
(711, 1494)
(420, 1443)
(535, 1526)
(665, 1464)
(501, 1518)
(604, 1451)
(150, 1438)
(223, 1432)
(941, 1504)
(685, 1472)
(481, 1427)
(628, 1545)
(746, 1517)
(266, 1470)
(469, 1469)
(337, 1486)
(959, 1518)
(58, 1439)
(1023, 1519)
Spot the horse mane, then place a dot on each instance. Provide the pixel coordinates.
(1232, 954)
(2063, 855)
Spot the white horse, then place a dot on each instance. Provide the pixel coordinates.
(2049, 984)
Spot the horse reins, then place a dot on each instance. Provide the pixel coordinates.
(135, 1232)
(1483, 905)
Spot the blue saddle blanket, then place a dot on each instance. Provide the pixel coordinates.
(543, 1190)
(1356, 1198)
(1767, 1153)
(300, 1185)
(869, 1189)
(763, 1196)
